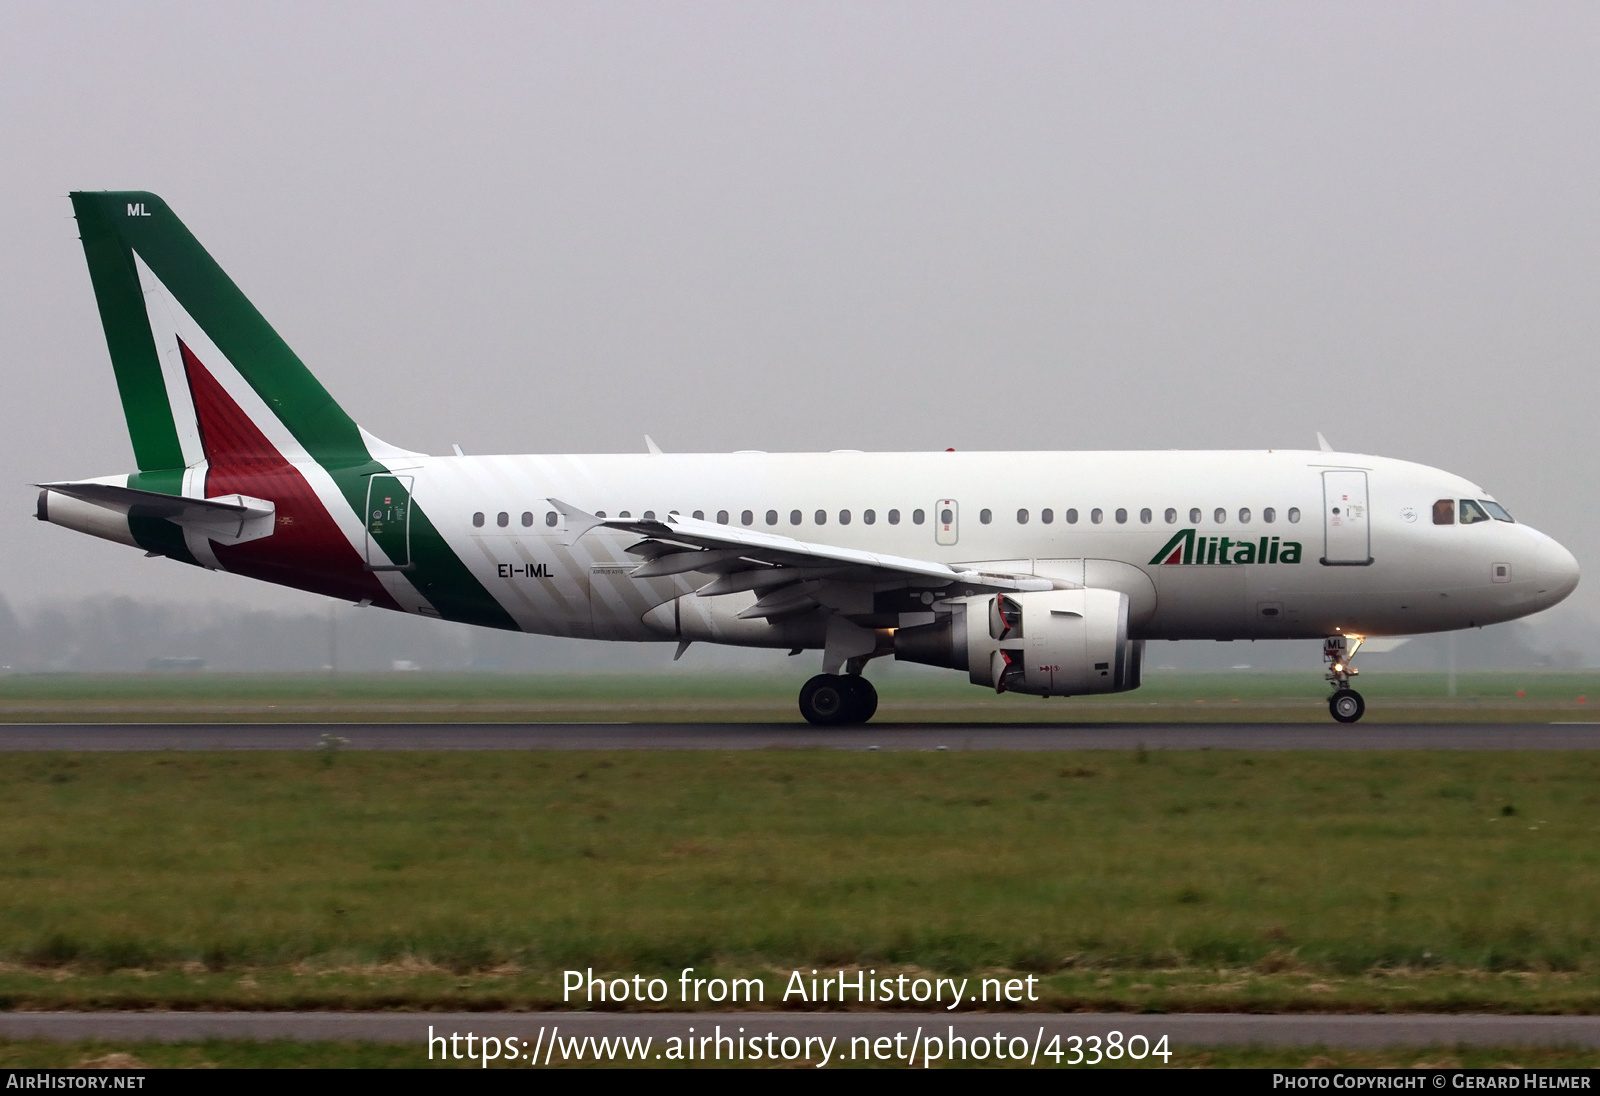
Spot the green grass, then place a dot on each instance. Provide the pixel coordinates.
(909, 694)
(1148, 880)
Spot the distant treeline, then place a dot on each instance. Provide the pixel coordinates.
(122, 634)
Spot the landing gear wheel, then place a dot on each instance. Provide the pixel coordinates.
(1346, 705)
(827, 700)
(863, 699)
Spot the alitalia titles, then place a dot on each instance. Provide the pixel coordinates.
(1187, 547)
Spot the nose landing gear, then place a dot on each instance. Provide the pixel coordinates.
(829, 700)
(1345, 705)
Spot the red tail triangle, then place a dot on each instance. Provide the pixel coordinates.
(307, 549)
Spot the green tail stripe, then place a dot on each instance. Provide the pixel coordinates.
(446, 582)
(127, 328)
(114, 224)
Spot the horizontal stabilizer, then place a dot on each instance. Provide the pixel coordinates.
(230, 519)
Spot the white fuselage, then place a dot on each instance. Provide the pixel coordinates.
(1412, 576)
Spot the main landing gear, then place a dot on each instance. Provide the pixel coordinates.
(829, 700)
(1338, 652)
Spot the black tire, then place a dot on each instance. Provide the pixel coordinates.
(827, 700)
(863, 699)
(1346, 705)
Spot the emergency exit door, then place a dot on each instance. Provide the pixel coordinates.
(946, 522)
(389, 523)
(1346, 528)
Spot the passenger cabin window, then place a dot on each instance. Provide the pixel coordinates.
(869, 516)
(894, 517)
(527, 517)
(772, 517)
(1497, 511)
(1219, 515)
(1047, 515)
(550, 518)
(1294, 514)
(1071, 516)
(1194, 516)
(917, 517)
(1097, 515)
(794, 517)
(1171, 515)
(722, 517)
(1022, 517)
(822, 517)
(1269, 515)
(1472, 513)
(502, 519)
(1244, 515)
(746, 517)
(1122, 516)
(844, 517)
(649, 515)
(477, 519)
(946, 516)
(985, 516)
(699, 515)
(1444, 512)
(1145, 515)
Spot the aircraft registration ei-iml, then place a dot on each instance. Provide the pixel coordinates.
(1041, 573)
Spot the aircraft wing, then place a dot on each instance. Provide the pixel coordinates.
(783, 571)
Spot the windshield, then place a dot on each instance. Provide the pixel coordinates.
(1472, 513)
(1496, 511)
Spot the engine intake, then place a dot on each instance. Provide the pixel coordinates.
(1048, 643)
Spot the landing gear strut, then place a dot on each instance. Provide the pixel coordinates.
(829, 700)
(1338, 652)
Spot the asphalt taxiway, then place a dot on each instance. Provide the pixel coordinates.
(779, 736)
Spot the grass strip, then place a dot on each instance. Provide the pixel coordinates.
(1155, 881)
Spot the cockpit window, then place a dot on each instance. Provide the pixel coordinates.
(1472, 513)
(1444, 512)
(1496, 511)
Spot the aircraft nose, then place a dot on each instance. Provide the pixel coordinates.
(1557, 570)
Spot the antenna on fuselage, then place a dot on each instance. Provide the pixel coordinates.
(1322, 443)
(650, 444)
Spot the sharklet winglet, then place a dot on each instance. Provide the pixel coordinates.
(579, 521)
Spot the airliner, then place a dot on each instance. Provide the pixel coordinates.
(1042, 573)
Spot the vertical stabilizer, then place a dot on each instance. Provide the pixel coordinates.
(165, 302)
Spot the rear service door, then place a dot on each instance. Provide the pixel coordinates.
(389, 523)
(1347, 532)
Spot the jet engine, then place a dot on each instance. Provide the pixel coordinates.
(1048, 642)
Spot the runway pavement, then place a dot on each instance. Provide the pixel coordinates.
(769, 736)
(1181, 1029)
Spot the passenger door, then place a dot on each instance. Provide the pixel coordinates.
(1346, 528)
(389, 523)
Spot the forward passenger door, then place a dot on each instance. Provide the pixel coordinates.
(1346, 528)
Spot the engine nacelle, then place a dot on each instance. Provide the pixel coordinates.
(1049, 642)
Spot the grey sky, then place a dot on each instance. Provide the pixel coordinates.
(556, 227)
